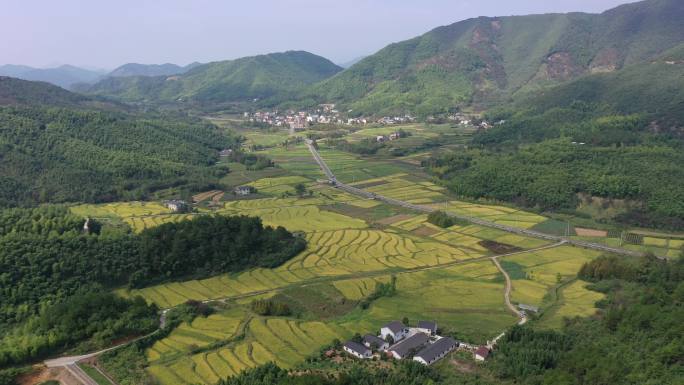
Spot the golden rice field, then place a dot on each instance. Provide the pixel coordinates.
(464, 298)
(498, 214)
(329, 254)
(284, 341)
(278, 185)
(120, 209)
(541, 269)
(576, 300)
(397, 187)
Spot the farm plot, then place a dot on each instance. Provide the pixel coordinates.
(278, 185)
(304, 218)
(120, 209)
(498, 214)
(541, 270)
(201, 333)
(575, 300)
(464, 298)
(328, 254)
(286, 342)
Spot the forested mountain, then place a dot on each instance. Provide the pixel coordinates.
(135, 69)
(64, 76)
(55, 147)
(485, 60)
(278, 76)
(616, 135)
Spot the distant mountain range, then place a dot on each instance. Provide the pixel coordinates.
(64, 76)
(478, 63)
(135, 69)
(276, 76)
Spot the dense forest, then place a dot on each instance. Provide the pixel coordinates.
(545, 159)
(44, 258)
(70, 155)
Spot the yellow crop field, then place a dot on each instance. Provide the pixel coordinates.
(202, 332)
(121, 209)
(576, 300)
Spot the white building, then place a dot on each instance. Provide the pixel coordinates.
(436, 351)
(409, 345)
(427, 327)
(395, 329)
(375, 342)
(357, 350)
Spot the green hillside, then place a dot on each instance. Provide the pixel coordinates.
(486, 60)
(58, 150)
(616, 135)
(272, 76)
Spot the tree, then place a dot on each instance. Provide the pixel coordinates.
(300, 189)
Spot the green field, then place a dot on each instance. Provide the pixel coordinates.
(352, 244)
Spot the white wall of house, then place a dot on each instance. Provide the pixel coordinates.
(356, 354)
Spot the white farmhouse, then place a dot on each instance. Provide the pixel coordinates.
(427, 327)
(395, 329)
(357, 350)
(375, 342)
(409, 346)
(436, 351)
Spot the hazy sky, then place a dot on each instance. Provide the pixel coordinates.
(107, 33)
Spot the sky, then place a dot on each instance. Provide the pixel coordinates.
(107, 33)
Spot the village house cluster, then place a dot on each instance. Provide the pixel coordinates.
(324, 114)
(420, 343)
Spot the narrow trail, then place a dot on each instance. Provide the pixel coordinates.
(507, 292)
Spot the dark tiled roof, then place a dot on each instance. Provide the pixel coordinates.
(395, 326)
(427, 325)
(356, 347)
(482, 351)
(371, 339)
(433, 351)
(415, 341)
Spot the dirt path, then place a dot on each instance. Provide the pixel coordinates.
(507, 292)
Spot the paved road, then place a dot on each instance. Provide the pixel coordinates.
(80, 375)
(478, 221)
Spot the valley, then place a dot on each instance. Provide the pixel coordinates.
(498, 200)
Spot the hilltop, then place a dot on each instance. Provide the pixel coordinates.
(135, 69)
(272, 76)
(486, 60)
(58, 146)
(65, 76)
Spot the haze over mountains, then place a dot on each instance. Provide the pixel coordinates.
(476, 62)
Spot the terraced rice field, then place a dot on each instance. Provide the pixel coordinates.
(120, 209)
(279, 185)
(398, 187)
(201, 333)
(541, 269)
(295, 218)
(138, 215)
(284, 341)
(465, 298)
(576, 300)
(499, 214)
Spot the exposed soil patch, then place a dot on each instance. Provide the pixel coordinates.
(40, 374)
(425, 231)
(499, 248)
(464, 366)
(590, 232)
(394, 219)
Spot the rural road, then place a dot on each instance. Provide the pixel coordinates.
(478, 221)
(507, 292)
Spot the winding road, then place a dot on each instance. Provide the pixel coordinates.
(478, 221)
